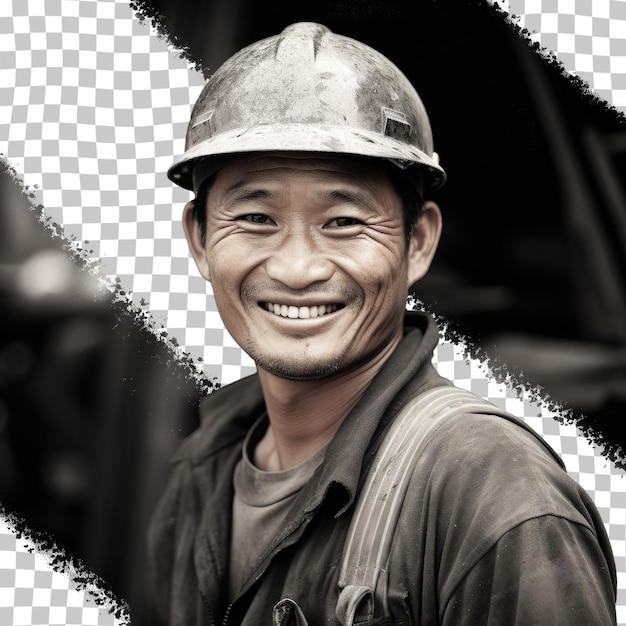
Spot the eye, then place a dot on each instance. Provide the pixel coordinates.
(345, 221)
(256, 218)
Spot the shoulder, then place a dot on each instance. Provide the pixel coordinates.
(481, 477)
(225, 417)
(201, 473)
(485, 461)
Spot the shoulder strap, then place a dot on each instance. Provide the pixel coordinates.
(362, 578)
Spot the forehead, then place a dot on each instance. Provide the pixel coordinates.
(282, 165)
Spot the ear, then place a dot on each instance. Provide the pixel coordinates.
(424, 241)
(194, 240)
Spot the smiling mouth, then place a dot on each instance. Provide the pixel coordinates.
(301, 312)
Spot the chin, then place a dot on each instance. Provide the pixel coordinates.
(300, 370)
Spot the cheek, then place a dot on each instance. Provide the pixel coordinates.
(229, 259)
(225, 277)
(231, 269)
(381, 273)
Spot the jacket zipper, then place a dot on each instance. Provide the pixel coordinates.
(226, 615)
(209, 611)
(263, 566)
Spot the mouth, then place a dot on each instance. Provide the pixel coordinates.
(301, 312)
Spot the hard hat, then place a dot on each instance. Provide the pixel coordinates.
(308, 89)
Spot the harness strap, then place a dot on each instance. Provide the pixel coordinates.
(363, 574)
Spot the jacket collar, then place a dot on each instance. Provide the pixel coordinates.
(336, 482)
(227, 414)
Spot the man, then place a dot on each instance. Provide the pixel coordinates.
(311, 157)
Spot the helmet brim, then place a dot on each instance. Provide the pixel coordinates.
(224, 147)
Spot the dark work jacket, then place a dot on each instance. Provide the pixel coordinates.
(492, 530)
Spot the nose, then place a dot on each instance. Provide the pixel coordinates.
(299, 261)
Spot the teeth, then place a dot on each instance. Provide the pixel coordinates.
(300, 312)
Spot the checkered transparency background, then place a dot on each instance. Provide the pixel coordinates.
(93, 107)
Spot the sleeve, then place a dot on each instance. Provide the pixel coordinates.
(546, 570)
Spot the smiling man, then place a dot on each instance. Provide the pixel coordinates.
(311, 159)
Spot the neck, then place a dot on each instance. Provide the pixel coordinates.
(305, 415)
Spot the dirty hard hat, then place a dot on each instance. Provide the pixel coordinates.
(308, 90)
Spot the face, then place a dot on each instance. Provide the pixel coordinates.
(308, 260)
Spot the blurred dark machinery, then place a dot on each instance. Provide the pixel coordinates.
(91, 405)
(532, 268)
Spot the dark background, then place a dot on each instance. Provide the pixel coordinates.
(531, 269)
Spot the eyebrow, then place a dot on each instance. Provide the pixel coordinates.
(360, 199)
(240, 193)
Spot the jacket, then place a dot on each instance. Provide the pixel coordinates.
(492, 530)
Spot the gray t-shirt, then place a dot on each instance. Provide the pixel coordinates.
(262, 500)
